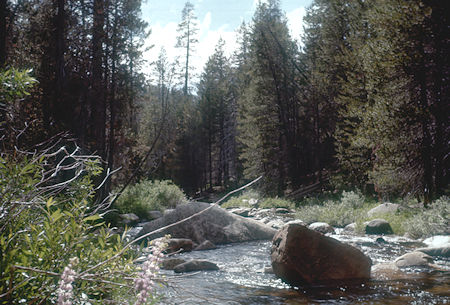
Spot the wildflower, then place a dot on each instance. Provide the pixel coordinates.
(144, 282)
(65, 290)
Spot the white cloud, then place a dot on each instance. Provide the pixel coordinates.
(295, 22)
(165, 36)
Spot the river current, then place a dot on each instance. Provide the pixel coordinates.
(242, 280)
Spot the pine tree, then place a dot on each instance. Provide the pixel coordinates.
(187, 31)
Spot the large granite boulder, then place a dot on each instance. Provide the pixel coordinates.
(384, 208)
(216, 225)
(378, 226)
(302, 256)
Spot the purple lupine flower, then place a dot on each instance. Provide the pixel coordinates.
(65, 290)
(144, 282)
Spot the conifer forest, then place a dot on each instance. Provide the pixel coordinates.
(359, 101)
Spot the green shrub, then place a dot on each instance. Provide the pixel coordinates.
(242, 200)
(349, 209)
(40, 234)
(276, 203)
(416, 222)
(149, 196)
(48, 224)
(429, 222)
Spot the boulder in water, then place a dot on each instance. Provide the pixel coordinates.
(216, 225)
(321, 227)
(171, 263)
(436, 251)
(415, 258)
(195, 265)
(302, 256)
(179, 245)
(378, 226)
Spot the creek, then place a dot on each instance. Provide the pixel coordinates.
(241, 278)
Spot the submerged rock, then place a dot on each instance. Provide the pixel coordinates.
(216, 225)
(378, 226)
(195, 265)
(302, 256)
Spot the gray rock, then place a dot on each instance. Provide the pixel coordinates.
(195, 265)
(128, 219)
(296, 221)
(282, 211)
(385, 208)
(216, 225)
(321, 227)
(171, 263)
(154, 215)
(276, 223)
(179, 245)
(350, 227)
(206, 245)
(415, 258)
(378, 226)
(302, 256)
(132, 233)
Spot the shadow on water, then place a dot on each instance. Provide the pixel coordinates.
(242, 280)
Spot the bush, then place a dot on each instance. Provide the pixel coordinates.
(40, 234)
(49, 229)
(243, 200)
(149, 196)
(276, 203)
(416, 222)
(433, 221)
(349, 209)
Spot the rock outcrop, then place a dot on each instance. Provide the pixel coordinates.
(302, 256)
(216, 225)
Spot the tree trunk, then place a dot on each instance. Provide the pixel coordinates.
(98, 87)
(2, 33)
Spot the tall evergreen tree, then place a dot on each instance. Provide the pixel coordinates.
(187, 32)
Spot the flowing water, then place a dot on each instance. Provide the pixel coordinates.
(241, 279)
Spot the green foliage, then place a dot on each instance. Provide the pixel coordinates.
(276, 202)
(40, 234)
(432, 221)
(149, 196)
(242, 200)
(15, 84)
(349, 209)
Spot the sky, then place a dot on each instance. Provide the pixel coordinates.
(216, 19)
